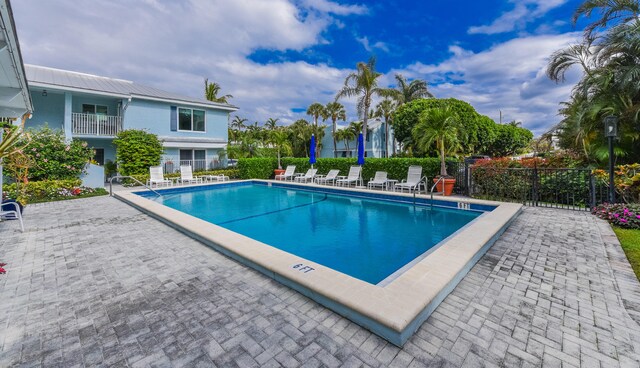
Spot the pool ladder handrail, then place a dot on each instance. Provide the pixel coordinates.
(421, 182)
(129, 177)
(441, 178)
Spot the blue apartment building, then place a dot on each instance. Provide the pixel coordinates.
(94, 109)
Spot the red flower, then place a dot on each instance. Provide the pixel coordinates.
(2, 270)
(2, 264)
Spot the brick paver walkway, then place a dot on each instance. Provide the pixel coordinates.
(94, 282)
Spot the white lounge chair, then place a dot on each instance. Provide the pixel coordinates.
(331, 177)
(219, 177)
(413, 182)
(378, 181)
(186, 175)
(289, 173)
(156, 176)
(11, 211)
(308, 177)
(354, 177)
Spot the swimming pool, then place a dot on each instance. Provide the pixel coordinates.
(393, 308)
(367, 238)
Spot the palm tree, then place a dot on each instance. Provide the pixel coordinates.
(440, 126)
(407, 92)
(621, 11)
(301, 134)
(385, 110)
(238, 122)
(318, 131)
(255, 132)
(363, 84)
(271, 123)
(356, 128)
(316, 110)
(611, 81)
(562, 60)
(346, 135)
(280, 139)
(211, 91)
(334, 111)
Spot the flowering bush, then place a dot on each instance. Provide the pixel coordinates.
(49, 190)
(626, 180)
(622, 215)
(50, 157)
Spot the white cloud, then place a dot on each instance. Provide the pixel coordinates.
(509, 77)
(331, 7)
(370, 47)
(524, 12)
(175, 45)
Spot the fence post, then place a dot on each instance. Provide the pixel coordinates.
(467, 177)
(534, 194)
(592, 191)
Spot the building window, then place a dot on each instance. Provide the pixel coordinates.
(197, 159)
(99, 156)
(95, 109)
(191, 120)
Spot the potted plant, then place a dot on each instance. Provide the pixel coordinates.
(280, 140)
(442, 127)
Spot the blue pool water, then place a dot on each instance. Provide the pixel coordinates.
(368, 239)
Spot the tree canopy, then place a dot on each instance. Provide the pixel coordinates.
(480, 132)
(609, 57)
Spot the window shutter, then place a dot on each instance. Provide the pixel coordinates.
(174, 118)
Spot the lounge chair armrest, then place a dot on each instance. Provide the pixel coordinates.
(15, 206)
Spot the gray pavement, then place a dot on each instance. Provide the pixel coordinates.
(94, 282)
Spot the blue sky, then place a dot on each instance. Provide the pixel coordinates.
(277, 57)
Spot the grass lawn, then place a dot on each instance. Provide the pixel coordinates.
(630, 240)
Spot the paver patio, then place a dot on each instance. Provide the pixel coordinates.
(94, 282)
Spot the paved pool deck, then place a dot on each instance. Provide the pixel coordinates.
(95, 282)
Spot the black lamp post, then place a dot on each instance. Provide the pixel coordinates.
(611, 132)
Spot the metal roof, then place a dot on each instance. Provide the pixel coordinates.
(12, 74)
(45, 77)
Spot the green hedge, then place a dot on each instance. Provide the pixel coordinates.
(396, 168)
(50, 190)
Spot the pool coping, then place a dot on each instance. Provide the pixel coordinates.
(394, 311)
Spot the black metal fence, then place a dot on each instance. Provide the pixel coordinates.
(575, 189)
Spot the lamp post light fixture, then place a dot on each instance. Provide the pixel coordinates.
(611, 132)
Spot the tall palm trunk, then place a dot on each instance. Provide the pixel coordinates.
(366, 118)
(335, 142)
(443, 166)
(386, 139)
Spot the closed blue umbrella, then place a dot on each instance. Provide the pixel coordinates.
(312, 152)
(360, 150)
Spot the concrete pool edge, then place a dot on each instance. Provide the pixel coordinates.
(394, 311)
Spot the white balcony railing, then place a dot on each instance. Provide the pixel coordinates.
(98, 125)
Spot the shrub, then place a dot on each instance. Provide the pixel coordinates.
(622, 215)
(626, 180)
(396, 168)
(257, 168)
(50, 157)
(49, 190)
(500, 178)
(136, 150)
